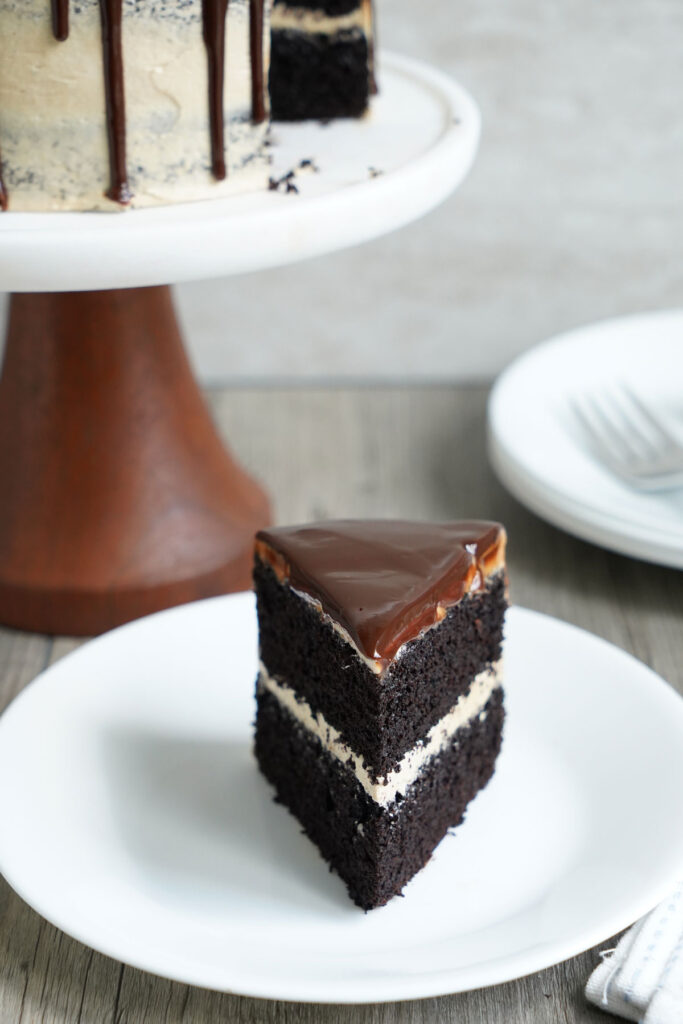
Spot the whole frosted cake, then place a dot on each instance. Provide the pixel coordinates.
(127, 102)
(106, 104)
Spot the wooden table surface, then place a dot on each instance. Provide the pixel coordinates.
(412, 452)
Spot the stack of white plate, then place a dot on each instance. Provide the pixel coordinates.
(538, 450)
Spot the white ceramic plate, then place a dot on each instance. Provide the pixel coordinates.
(134, 819)
(539, 452)
(422, 135)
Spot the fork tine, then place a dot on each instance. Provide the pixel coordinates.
(620, 438)
(663, 433)
(623, 438)
(630, 429)
(599, 432)
(637, 428)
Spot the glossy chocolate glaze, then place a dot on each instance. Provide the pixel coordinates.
(384, 581)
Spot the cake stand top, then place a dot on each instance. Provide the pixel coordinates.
(373, 175)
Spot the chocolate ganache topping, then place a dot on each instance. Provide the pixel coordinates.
(214, 14)
(384, 581)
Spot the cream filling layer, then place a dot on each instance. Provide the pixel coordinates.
(385, 790)
(302, 19)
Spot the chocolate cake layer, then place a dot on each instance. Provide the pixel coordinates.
(318, 76)
(379, 717)
(375, 850)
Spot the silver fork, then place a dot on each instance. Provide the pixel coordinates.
(631, 440)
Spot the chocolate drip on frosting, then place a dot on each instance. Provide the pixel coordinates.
(384, 581)
(60, 19)
(214, 19)
(4, 199)
(372, 56)
(215, 12)
(111, 12)
(258, 99)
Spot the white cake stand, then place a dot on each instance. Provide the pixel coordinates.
(119, 498)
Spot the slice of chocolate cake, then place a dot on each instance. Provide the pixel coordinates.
(379, 699)
(321, 59)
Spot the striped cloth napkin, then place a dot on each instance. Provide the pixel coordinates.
(642, 979)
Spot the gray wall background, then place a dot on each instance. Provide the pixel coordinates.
(573, 211)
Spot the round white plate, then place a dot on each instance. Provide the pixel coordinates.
(421, 136)
(134, 818)
(541, 455)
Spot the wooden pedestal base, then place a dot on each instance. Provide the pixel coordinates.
(117, 497)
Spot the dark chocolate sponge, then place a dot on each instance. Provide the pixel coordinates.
(375, 850)
(380, 718)
(319, 77)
